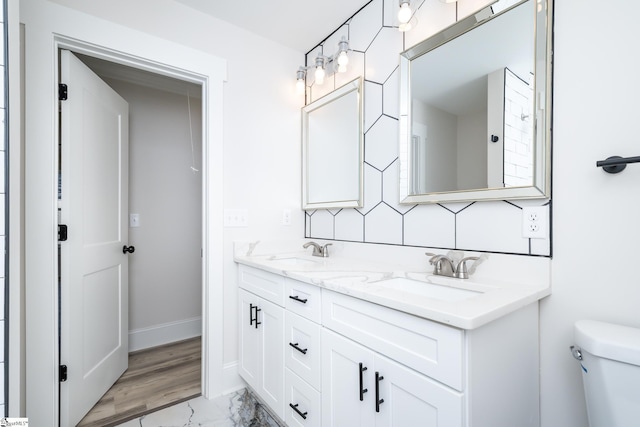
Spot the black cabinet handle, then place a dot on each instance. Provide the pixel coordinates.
(301, 350)
(251, 318)
(251, 307)
(378, 400)
(257, 310)
(362, 390)
(297, 298)
(295, 408)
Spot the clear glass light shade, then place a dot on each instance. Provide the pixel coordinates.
(300, 87)
(320, 73)
(343, 59)
(404, 14)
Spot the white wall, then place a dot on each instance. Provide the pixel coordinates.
(440, 129)
(261, 123)
(472, 150)
(165, 274)
(596, 227)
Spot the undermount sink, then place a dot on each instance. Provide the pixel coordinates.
(293, 261)
(429, 290)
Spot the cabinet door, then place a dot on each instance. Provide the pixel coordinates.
(347, 382)
(249, 353)
(271, 353)
(409, 399)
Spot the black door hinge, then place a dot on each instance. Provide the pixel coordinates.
(62, 92)
(63, 373)
(62, 233)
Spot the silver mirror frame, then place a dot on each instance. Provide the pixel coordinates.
(356, 86)
(541, 188)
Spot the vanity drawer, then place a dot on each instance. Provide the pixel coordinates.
(431, 348)
(304, 358)
(305, 399)
(264, 284)
(303, 299)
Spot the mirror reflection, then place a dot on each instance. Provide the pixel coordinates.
(332, 149)
(470, 123)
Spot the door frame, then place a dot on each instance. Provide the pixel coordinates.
(49, 27)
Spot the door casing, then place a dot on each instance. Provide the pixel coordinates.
(133, 48)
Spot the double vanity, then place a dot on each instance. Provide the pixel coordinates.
(369, 336)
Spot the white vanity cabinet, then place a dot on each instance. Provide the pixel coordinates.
(364, 388)
(419, 372)
(261, 352)
(320, 358)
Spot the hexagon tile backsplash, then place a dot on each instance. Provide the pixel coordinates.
(375, 44)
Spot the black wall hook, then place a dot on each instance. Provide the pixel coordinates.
(616, 164)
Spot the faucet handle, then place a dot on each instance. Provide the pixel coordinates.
(461, 269)
(434, 257)
(325, 250)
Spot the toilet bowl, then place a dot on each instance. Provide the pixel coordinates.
(610, 360)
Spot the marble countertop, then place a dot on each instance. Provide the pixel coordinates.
(463, 303)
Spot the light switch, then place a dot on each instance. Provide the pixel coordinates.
(134, 220)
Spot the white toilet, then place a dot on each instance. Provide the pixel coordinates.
(610, 360)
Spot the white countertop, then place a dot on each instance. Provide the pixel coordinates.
(365, 279)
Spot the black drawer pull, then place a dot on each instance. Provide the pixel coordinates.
(297, 298)
(362, 390)
(295, 408)
(301, 350)
(378, 400)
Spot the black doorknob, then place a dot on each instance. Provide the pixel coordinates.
(128, 249)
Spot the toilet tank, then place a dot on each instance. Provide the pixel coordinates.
(610, 372)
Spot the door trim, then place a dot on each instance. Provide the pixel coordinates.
(85, 34)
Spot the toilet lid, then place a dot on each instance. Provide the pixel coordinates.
(608, 340)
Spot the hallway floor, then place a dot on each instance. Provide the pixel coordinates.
(157, 378)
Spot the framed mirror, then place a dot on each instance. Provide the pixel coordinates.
(332, 147)
(475, 108)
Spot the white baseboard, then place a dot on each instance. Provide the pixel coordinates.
(231, 381)
(153, 336)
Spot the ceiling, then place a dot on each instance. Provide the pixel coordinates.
(298, 24)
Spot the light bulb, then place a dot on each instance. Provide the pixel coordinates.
(300, 87)
(404, 14)
(320, 75)
(343, 59)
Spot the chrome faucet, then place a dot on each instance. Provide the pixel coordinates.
(444, 266)
(318, 250)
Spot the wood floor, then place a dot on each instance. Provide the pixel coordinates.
(156, 378)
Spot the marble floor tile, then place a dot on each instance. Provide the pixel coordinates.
(237, 409)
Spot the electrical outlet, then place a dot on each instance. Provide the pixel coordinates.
(236, 218)
(535, 222)
(286, 217)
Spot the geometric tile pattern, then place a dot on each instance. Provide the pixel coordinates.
(375, 44)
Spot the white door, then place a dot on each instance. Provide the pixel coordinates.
(410, 399)
(94, 269)
(347, 383)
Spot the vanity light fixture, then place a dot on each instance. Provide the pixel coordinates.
(406, 18)
(336, 63)
(301, 76)
(405, 12)
(320, 72)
